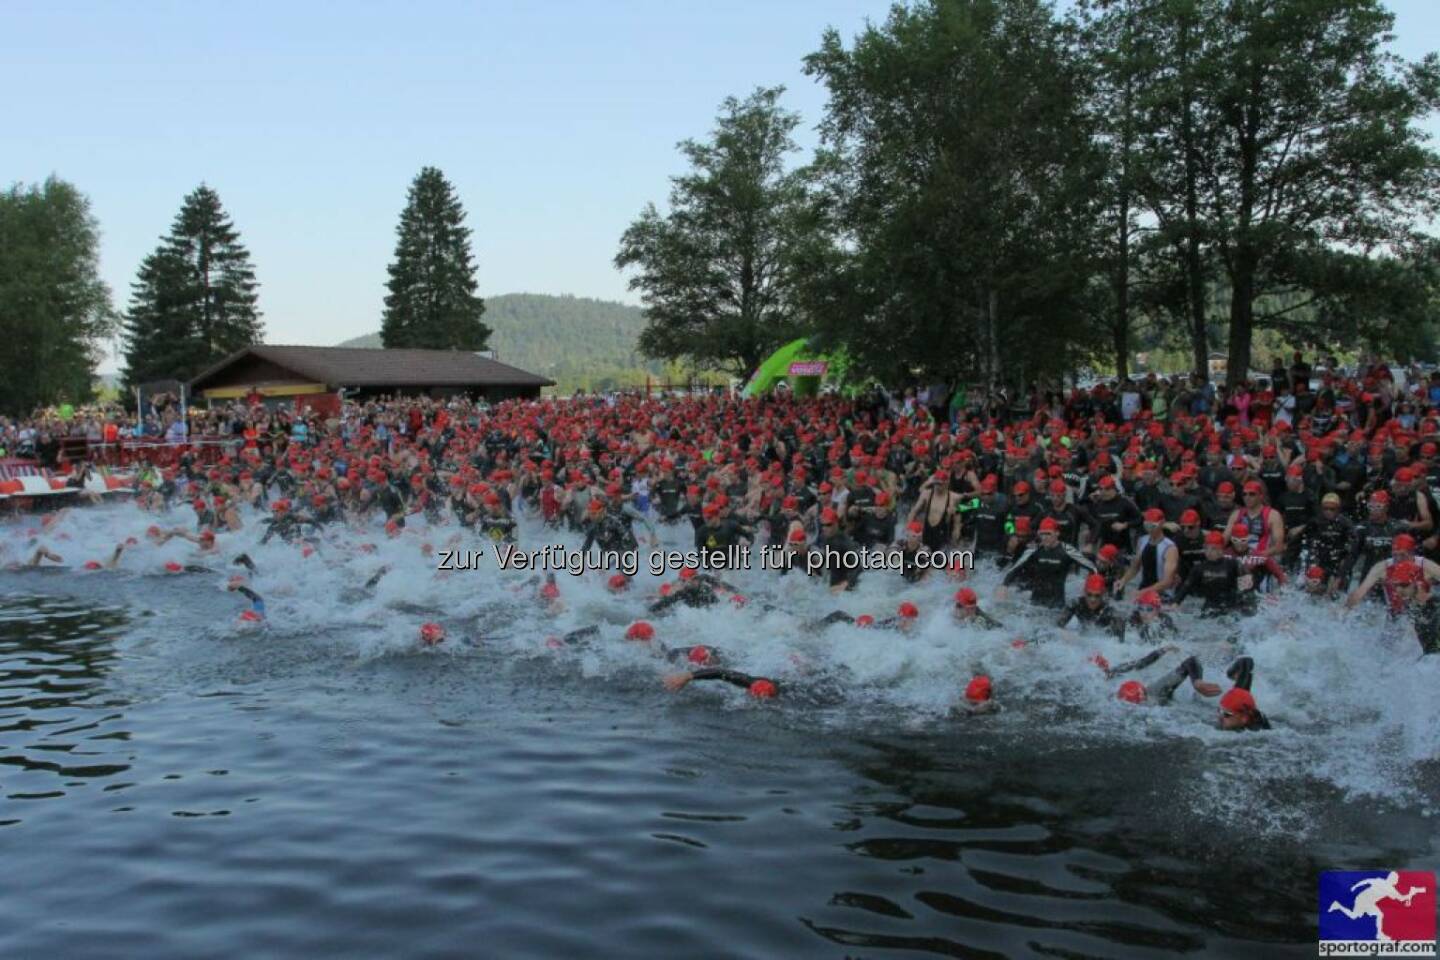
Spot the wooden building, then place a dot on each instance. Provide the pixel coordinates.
(314, 376)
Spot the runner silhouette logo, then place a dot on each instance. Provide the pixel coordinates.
(1393, 907)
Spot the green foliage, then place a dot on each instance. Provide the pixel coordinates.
(961, 171)
(54, 309)
(193, 301)
(717, 273)
(1280, 143)
(432, 301)
(580, 343)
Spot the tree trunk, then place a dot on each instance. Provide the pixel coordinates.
(992, 307)
(1121, 341)
(1242, 318)
(1194, 267)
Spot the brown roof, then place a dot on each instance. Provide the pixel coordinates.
(362, 367)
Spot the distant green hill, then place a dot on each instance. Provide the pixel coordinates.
(575, 341)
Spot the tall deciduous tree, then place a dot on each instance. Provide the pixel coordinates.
(432, 301)
(54, 309)
(966, 190)
(1282, 140)
(194, 299)
(717, 274)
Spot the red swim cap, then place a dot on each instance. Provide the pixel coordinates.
(1109, 552)
(909, 611)
(827, 517)
(1315, 573)
(763, 689)
(1214, 538)
(1240, 532)
(1132, 691)
(551, 591)
(700, 655)
(92, 564)
(797, 535)
(1148, 598)
(619, 581)
(1238, 700)
(978, 689)
(1189, 518)
(1100, 661)
(1403, 542)
(914, 528)
(1154, 515)
(864, 620)
(640, 630)
(431, 634)
(1095, 583)
(966, 597)
(1048, 525)
(250, 616)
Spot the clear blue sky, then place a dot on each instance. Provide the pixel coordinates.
(556, 121)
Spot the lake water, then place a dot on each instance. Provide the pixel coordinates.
(175, 785)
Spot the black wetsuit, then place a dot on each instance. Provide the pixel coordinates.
(1330, 541)
(1069, 518)
(1297, 509)
(1217, 582)
(1161, 628)
(1373, 542)
(1103, 616)
(669, 495)
(698, 592)
(983, 621)
(733, 677)
(610, 532)
(1106, 513)
(1044, 570)
(872, 529)
(838, 545)
(1192, 551)
(988, 520)
(910, 569)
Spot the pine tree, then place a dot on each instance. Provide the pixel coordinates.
(432, 301)
(193, 299)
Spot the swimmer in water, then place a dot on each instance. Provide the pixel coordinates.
(967, 611)
(979, 699)
(761, 688)
(37, 558)
(1237, 710)
(695, 589)
(256, 613)
(110, 564)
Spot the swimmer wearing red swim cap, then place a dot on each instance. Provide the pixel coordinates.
(761, 688)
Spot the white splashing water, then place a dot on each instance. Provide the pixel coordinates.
(1352, 704)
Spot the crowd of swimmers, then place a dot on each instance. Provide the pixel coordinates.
(1151, 519)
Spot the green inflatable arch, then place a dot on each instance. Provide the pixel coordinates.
(810, 367)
